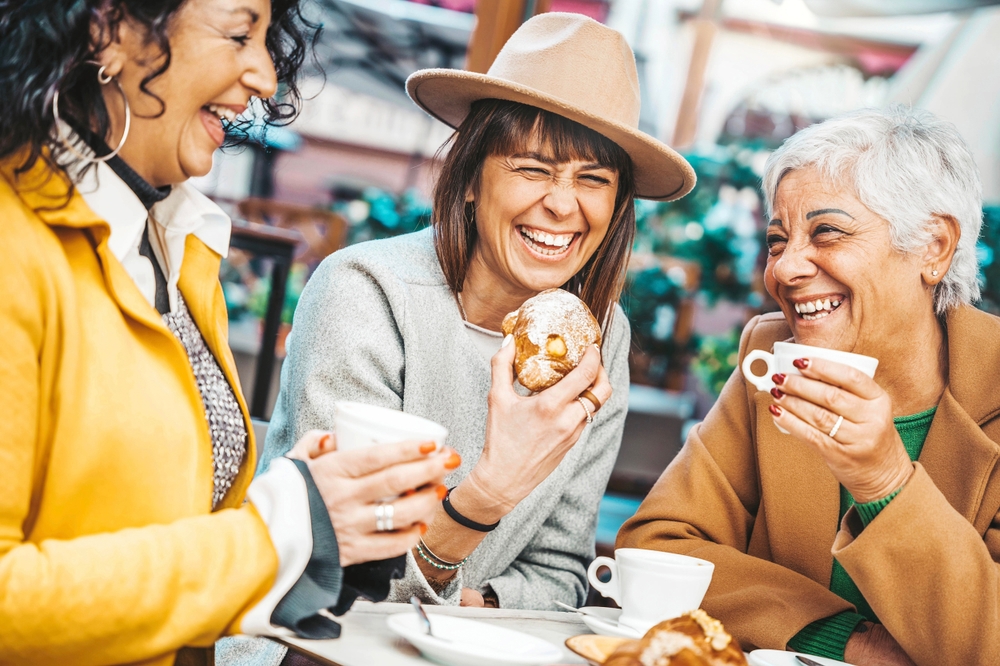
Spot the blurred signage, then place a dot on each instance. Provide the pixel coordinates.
(346, 116)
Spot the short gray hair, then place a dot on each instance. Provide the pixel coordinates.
(906, 165)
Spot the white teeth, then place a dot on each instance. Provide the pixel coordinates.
(554, 245)
(821, 307)
(560, 241)
(222, 112)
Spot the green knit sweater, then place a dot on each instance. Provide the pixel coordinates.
(828, 637)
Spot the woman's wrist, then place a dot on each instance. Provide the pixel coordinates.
(892, 482)
(474, 499)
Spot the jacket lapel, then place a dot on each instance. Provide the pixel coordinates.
(958, 454)
(47, 193)
(960, 459)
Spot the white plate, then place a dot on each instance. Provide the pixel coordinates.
(783, 658)
(610, 627)
(465, 642)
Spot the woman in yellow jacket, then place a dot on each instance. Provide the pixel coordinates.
(130, 531)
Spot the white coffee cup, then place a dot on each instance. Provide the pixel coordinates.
(652, 586)
(786, 352)
(358, 425)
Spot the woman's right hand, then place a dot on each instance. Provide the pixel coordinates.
(352, 483)
(527, 437)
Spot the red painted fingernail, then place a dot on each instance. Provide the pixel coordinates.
(777, 393)
(778, 378)
(442, 491)
(423, 529)
(453, 461)
(775, 410)
(428, 447)
(325, 441)
(801, 363)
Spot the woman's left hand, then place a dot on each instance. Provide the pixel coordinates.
(866, 454)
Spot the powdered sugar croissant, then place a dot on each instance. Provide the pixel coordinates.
(551, 332)
(693, 639)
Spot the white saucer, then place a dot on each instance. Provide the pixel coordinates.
(461, 642)
(783, 658)
(609, 627)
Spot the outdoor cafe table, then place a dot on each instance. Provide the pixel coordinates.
(365, 639)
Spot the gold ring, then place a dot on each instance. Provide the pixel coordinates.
(592, 398)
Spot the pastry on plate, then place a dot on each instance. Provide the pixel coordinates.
(693, 639)
(551, 333)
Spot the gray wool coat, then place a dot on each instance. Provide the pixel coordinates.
(378, 324)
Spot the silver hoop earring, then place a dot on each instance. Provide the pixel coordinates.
(104, 79)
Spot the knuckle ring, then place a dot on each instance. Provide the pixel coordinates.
(384, 512)
(590, 415)
(592, 398)
(836, 426)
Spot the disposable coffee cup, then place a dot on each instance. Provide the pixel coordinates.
(358, 426)
(786, 352)
(652, 586)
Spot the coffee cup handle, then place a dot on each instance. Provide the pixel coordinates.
(609, 589)
(762, 382)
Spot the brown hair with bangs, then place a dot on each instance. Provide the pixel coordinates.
(501, 128)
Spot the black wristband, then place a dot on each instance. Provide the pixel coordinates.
(462, 520)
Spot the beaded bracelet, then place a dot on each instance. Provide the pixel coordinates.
(437, 565)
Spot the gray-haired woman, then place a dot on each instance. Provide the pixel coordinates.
(874, 220)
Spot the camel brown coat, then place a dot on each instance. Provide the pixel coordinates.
(764, 506)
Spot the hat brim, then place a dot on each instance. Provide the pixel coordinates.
(661, 173)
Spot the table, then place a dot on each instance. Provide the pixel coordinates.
(366, 640)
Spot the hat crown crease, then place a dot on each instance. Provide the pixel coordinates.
(575, 60)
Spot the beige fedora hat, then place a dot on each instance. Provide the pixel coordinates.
(573, 66)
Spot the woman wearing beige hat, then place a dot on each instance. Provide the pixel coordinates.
(536, 191)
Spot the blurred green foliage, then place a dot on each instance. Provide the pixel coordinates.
(989, 266)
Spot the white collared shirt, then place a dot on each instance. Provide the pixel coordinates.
(185, 211)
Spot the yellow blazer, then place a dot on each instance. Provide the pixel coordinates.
(109, 550)
(763, 507)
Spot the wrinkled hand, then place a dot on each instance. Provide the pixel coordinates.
(872, 645)
(527, 437)
(353, 482)
(866, 456)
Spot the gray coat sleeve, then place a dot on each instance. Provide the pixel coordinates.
(344, 345)
(554, 564)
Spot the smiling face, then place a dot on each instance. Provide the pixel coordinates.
(539, 220)
(833, 270)
(219, 60)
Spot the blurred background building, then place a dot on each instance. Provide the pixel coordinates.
(724, 81)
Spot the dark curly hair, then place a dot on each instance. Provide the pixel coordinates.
(45, 45)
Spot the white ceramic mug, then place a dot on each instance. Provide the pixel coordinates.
(786, 352)
(358, 425)
(652, 586)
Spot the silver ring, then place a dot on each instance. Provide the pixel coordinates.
(590, 415)
(383, 517)
(836, 426)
